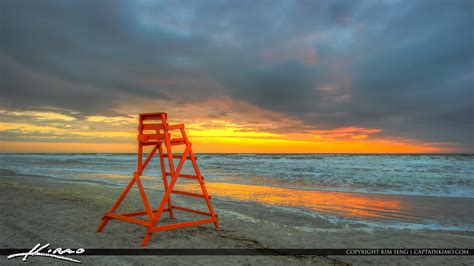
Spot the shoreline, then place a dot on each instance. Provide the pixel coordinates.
(359, 208)
(67, 214)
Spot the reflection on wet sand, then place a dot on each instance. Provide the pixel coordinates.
(350, 205)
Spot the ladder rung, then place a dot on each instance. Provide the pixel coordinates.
(179, 225)
(158, 141)
(189, 194)
(179, 156)
(127, 219)
(179, 141)
(175, 143)
(185, 176)
(152, 116)
(152, 127)
(150, 143)
(138, 213)
(190, 210)
(147, 137)
(178, 126)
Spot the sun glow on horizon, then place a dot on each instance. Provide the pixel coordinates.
(31, 131)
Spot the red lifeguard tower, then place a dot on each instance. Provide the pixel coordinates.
(154, 130)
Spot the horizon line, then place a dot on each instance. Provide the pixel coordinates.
(263, 153)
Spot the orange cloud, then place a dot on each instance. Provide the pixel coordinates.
(350, 130)
(345, 132)
(238, 128)
(66, 147)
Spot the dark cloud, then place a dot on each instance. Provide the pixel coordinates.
(417, 80)
(403, 66)
(286, 86)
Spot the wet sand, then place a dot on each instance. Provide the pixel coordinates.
(449, 212)
(66, 214)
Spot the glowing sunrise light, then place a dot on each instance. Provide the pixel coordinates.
(258, 132)
(39, 115)
(349, 205)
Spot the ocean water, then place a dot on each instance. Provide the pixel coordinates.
(433, 175)
(380, 187)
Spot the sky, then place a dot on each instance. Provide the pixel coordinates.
(244, 76)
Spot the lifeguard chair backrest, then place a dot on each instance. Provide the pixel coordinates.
(151, 126)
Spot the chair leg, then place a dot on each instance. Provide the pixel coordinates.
(146, 239)
(103, 224)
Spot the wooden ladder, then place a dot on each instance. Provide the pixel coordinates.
(154, 130)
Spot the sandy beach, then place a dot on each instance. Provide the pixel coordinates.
(37, 209)
(42, 210)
